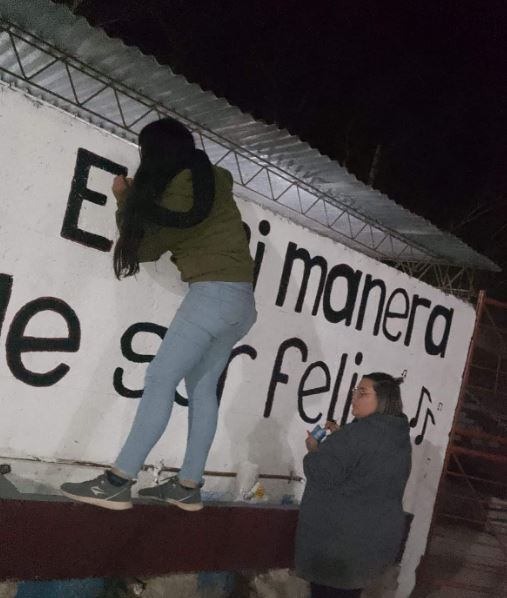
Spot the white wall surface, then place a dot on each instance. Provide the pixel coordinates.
(83, 417)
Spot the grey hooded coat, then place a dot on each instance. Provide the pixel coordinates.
(351, 520)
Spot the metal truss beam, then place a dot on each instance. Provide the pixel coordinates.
(456, 280)
(46, 72)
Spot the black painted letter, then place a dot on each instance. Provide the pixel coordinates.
(5, 296)
(17, 343)
(294, 253)
(353, 278)
(241, 350)
(302, 392)
(131, 355)
(395, 314)
(433, 348)
(278, 377)
(79, 192)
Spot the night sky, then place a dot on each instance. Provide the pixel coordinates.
(423, 87)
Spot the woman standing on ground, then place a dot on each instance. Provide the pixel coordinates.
(178, 202)
(351, 521)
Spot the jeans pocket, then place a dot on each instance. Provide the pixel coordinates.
(235, 306)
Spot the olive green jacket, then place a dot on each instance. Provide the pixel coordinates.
(215, 249)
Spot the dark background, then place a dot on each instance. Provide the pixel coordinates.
(421, 88)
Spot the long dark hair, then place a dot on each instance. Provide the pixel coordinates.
(387, 389)
(167, 147)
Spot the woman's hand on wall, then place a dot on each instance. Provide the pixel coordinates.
(120, 187)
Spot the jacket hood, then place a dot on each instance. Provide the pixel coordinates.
(395, 427)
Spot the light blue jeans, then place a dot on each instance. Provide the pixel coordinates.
(212, 318)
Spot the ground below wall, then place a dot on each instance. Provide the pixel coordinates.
(278, 583)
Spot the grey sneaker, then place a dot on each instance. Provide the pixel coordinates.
(172, 492)
(100, 492)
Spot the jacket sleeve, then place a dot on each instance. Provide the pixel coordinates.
(331, 464)
(153, 244)
(155, 241)
(178, 196)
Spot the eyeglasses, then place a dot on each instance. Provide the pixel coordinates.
(360, 391)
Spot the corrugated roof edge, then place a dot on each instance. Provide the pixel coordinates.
(72, 34)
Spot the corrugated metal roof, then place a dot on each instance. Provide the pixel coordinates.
(364, 218)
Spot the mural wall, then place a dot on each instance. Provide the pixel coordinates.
(75, 342)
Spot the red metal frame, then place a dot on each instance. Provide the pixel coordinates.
(476, 465)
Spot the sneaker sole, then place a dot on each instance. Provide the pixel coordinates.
(186, 507)
(171, 501)
(97, 502)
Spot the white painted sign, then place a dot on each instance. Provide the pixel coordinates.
(75, 342)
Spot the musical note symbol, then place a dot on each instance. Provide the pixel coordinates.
(424, 392)
(429, 415)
